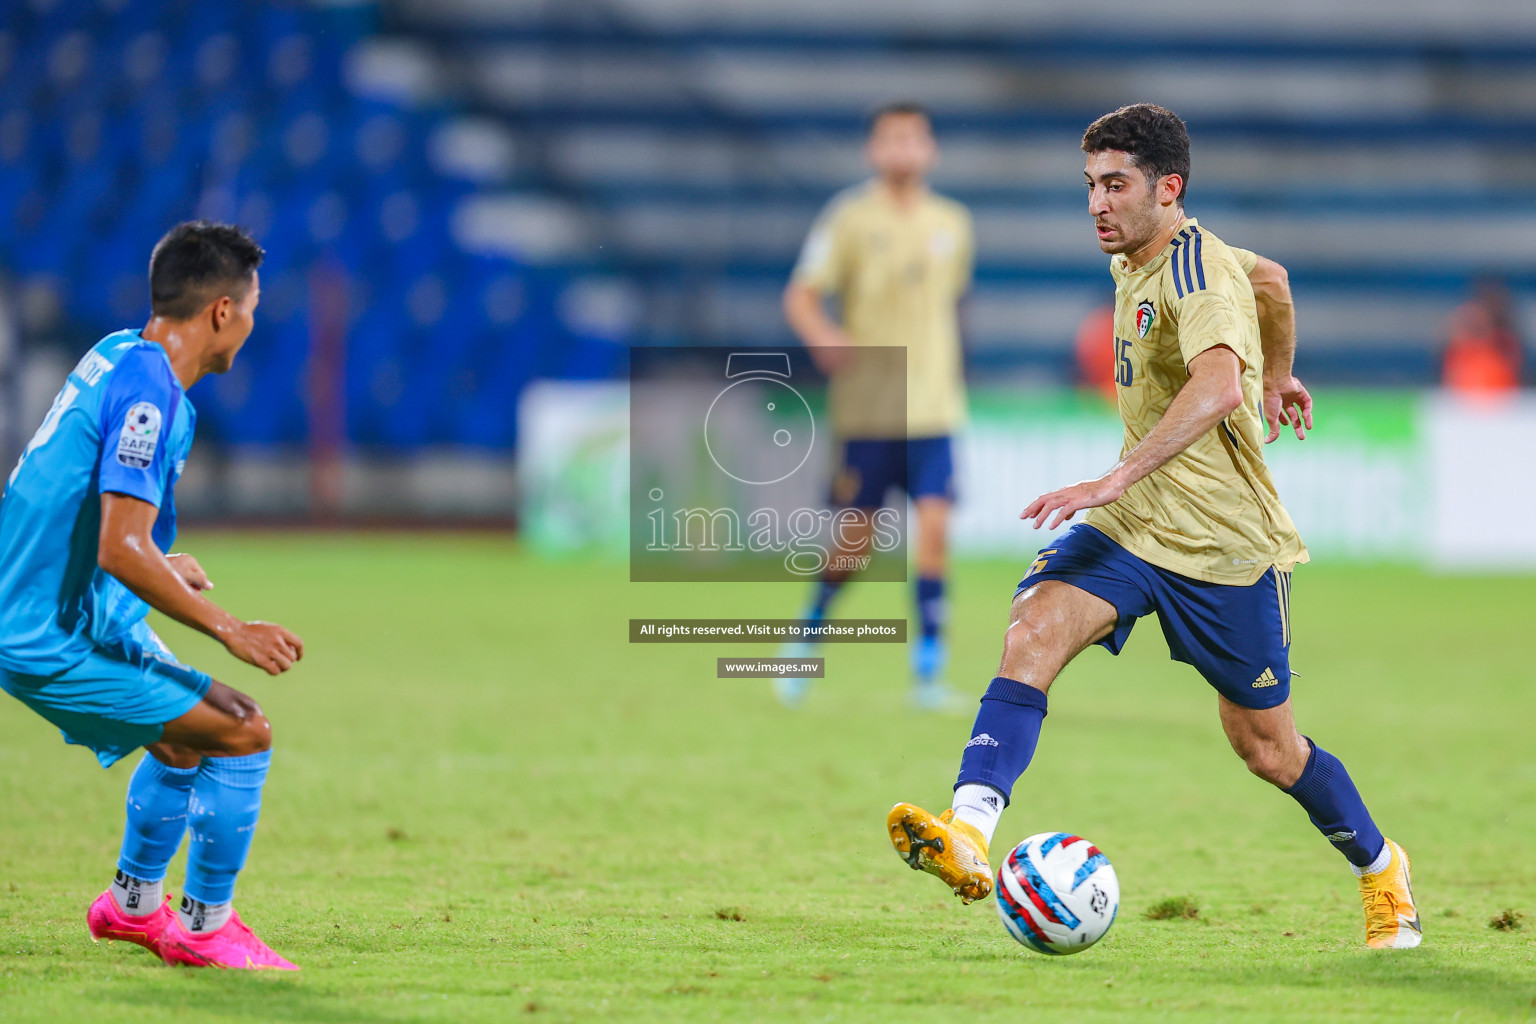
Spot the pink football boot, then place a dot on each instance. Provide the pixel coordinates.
(233, 946)
(106, 920)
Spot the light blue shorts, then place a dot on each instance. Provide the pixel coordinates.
(116, 700)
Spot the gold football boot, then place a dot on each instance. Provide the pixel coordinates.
(1391, 919)
(942, 846)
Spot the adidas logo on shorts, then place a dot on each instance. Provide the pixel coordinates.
(1267, 679)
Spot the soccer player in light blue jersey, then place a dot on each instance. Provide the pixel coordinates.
(87, 522)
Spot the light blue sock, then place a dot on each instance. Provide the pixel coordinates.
(157, 817)
(226, 801)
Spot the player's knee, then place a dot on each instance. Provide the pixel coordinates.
(1028, 655)
(1019, 637)
(1024, 633)
(252, 736)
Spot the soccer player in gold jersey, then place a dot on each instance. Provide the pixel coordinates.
(898, 258)
(1187, 524)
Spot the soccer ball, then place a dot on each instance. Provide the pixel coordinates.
(1057, 894)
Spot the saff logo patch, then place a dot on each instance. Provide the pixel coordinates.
(1145, 314)
(140, 436)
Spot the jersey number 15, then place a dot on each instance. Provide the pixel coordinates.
(1123, 362)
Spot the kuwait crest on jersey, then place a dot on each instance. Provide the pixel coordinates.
(1145, 313)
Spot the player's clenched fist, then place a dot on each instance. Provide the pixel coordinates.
(266, 645)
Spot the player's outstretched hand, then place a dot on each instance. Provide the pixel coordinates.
(1287, 402)
(1068, 501)
(187, 568)
(266, 645)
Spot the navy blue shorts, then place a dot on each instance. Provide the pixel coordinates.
(1238, 638)
(921, 467)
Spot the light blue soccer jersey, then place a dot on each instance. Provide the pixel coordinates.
(121, 424)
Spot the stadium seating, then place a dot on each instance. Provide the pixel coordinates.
(512, 189)
(121, 117)
(708, 135)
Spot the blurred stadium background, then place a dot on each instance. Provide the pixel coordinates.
(472, 209)
(490, 805)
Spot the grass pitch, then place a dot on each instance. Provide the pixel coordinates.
(486, 805)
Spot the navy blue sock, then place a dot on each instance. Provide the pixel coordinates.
(1004, 737)
(226, 801)
(157, 818)
(826, 590)
(930, 605)
(1333, 803)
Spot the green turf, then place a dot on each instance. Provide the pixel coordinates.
(486, 805)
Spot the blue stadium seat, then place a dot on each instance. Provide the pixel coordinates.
(116, 123)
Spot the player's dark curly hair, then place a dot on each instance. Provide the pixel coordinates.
(198, 261)
(1155, 138)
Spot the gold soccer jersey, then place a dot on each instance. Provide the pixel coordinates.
(899, 272)
(1212, 512)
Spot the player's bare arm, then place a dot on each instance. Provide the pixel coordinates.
(806, 313)
(1213, 391)
(1286, 401)
(190, 570)
(127, 550)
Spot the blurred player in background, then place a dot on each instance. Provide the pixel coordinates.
(1187, 524)
(898, 259)
(87, 518)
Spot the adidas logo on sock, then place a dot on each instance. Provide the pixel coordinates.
(990, 801)
(1267, 679)
(982, 740)
(1340, 837)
